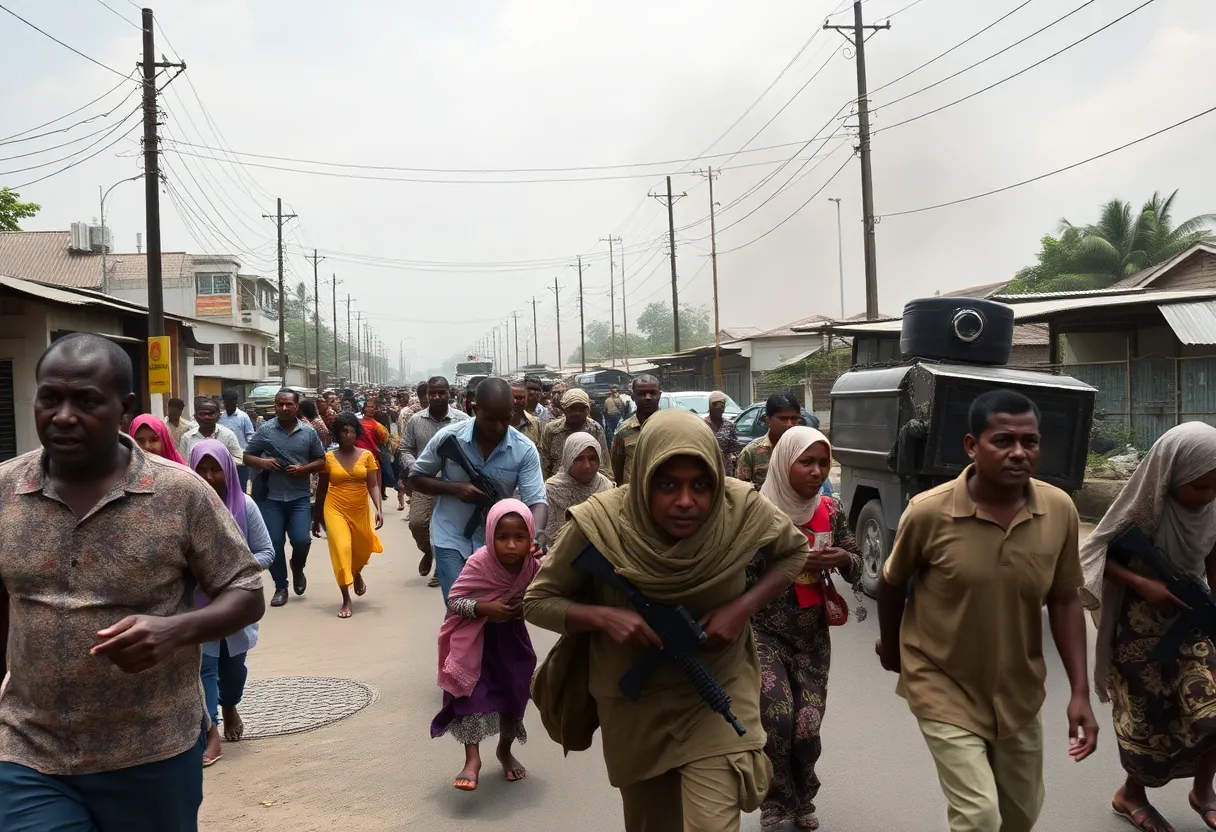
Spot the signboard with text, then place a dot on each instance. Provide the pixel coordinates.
(160, 365)
(213, 305)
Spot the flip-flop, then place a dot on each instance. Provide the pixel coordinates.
(361, 592)
(433, 581)
(1203, 811)
(209, 762)
(1146, 818)
(344, 614)
(467, 778)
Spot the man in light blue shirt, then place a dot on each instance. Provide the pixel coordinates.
(237, 421)
(496, 449)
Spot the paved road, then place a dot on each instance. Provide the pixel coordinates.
(378, 770)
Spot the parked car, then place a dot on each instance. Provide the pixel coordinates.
(697, 402)
(263, 395)
(753, 422)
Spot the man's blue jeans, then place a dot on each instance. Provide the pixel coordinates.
(155, 797)
(448, 565)
(287, 520)
(610, 425)
(223, 681)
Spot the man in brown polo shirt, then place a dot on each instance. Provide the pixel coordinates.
(102, 714)
(982, 554)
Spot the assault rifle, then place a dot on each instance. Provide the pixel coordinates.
(449, 449)
(675, 626)
(1132, 544)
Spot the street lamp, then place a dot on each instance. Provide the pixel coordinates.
(104, 194)
(839, 251)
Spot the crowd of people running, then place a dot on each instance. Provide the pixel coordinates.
(132, 554)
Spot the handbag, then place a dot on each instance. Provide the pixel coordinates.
(834, 605)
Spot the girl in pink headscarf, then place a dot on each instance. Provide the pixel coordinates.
(152, 435)
(486, 658)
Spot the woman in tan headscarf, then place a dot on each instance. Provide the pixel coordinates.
(793, 633)
(682, 533)
(577, 480)
(1164, 713)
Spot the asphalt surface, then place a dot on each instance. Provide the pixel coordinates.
(379, 769)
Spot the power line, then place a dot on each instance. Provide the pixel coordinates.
(1054, 172)
(1021, 71)
(901, 11)
(956, 46)
(431, 181)
(64, 45)
(109, 131)
(795, 212)
(13, 139)
(120, 15)
(61, 145)
(78, 161)
(573, 169)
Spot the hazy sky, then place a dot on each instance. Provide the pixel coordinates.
(524, 84)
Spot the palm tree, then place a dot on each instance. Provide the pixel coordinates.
(1120, 244)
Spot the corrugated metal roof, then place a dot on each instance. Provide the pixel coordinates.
(1039, 308)
(802, 356)
(66, 296)
(1193, 323)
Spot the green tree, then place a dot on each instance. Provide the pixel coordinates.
(13, 209)
(1121, 243)
(652, 333)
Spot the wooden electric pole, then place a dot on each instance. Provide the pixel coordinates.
(278, 216)
(334, 289)
(535, 342)
(713, 257)
(557, 316)
(515, 315)
(670, 202)
(611, 298)
(316, 297)
(582, 324)
(858, 40)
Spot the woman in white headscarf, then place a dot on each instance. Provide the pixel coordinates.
(1164, 713)
(792, 631)
(578, 478)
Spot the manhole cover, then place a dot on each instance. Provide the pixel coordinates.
(290, 704)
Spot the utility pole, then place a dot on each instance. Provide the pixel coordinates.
(316, 297)
(535, 344)
(670, 202)
(515, 315)
(611, 299)
(334, 289)
(349, 363)
(713, 257)
(304, 320)
(839, 251)
(863, 146)
(557, 315)
(359, 336)
(278, 216)
(156, 291)
(582, 328)
(624, 315)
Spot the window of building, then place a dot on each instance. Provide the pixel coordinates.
(213, 284)
(204, 358)
(230, 354)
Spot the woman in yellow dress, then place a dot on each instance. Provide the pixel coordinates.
(350, 477)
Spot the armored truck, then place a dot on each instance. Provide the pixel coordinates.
(898, 427)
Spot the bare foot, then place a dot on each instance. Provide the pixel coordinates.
(214, 749)
(511, 767)
(234, 728)
(466, 781)
(360, 585)
(346, 611)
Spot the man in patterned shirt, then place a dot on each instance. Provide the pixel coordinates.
(102, 714)
(524, 422)
(783, 412)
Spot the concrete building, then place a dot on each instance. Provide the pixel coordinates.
(32, 315)
(234, 312)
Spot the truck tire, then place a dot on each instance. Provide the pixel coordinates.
(874, 541)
